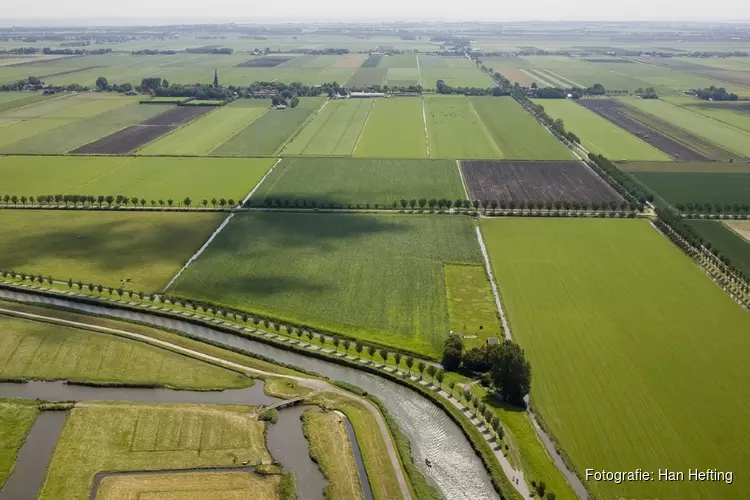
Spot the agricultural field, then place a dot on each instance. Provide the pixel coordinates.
(334, 131)
(454, 129)
(359, 181)
(120, 437)
(735, 113)
(16, 418)
(103, 247)
(206, 134)
(626, 307)
(42, 351)
(740, 227)
(599, 135)
(535, 182)
(149, 179)
(515, 132)
(10, 100)
(471, 306)
(454, 71)
(268, 134)
(366, 77)
(396, 129)
(725, 241)
(309, 269)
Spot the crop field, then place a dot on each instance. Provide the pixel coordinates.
(359, 181)
(471, 306)
(740, 227)
(151, 179)
(735, 113)
(601, 323)
(334, 131)
(121, 437)
(367, 76)
(698, 187)
(395, 129)
(267, 134)
(454, 71)
(599, 135)
(309, 269)
(517, 133)
(16, 418)
(727, 242)
(103, 247)
(206, 134)
(455, 130)
(10, 100)
(35, 350)
(535, 182)
(559, 70)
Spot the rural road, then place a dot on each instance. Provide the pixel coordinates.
(315, 384)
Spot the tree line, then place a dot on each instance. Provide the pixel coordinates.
(82, 200)
(719, 208)
(622, 182)
(714, 94)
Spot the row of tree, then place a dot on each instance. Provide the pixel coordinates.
(622, 182)
(719, 208)
(82, 200)
(556, 125)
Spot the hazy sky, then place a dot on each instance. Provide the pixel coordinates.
(173, 11)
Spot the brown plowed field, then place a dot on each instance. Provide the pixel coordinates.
(618, 114)
(533, 181)
(124, 141)
(179, 115)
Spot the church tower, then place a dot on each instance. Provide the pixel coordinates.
(216, 79)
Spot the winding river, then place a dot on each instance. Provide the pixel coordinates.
(456, 471)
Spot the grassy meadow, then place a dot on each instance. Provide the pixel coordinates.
(471, 306)
(454, 129)
(602, 319)
(395, 130)
(334, 131)
(16, 419)
(34, 350)
(310, 269)
(359, 181)
(103, 247)
(698, 187)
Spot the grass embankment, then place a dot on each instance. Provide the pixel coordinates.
(103, 247)
(602, 322)
(35, 350)
(119, 437)
(331, 449)
(16, 419)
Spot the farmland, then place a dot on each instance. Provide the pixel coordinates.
(607, 336)
(103, 247)
(599, 135)
(726, 242)
(471, 307)
(455, 130)
(358, 181)
(149, 179)
(395, 130)
(16, 418)
(740, 227)
(536, 182)
(309, 269)
(731, 113)
(334, 131)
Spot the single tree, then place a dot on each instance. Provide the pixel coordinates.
(420, 368)
(358, 347)
(371, 349)
(409, 363)
(397, 358)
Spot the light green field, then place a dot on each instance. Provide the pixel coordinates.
(398, 61)
(128, 436)
(471, 307)
(455, 130)
(602, 321)
(10, 100)
(334, 131)
(599, 135)
(34, 350)
(309, 269)
(395, 130)
(516, 132)
(206, 133)
(145, 178)
(731, 113)
(103, 247)
(16, 418)
(359, 181)
(715, 131)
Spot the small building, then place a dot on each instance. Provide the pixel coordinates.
(493, 340)
(280, 106)
(366, 94)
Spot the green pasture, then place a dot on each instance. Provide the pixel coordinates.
(270, 132)
(398, 61)
(367, 77)
(471, 306)
(359, 181)
(395, 129)
(374, 277)
(726, 242)
(103, 247)
(599, 135)
(693, 167)
(35, 350)
(334, 131)
(602, 319)
(455, 130)
(152, 179)
(16, 419)
(735, 113)
(698, 187)
(11, 100)
(518, 135)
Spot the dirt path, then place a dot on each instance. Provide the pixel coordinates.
(315, 384)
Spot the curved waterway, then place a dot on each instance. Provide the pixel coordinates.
(456, 471)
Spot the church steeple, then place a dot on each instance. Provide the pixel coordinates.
(216, 79)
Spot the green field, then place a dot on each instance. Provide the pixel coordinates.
(599, 135)
(268, 133)
(16, 418)
(128, 436)
(602, 321)
(698, 187)
(10, 100)
(310, 269)
(206, 133)
(455, 130)
(34, 350)
(359, 181)
(395, 130)
(103, 247)
(725, 241)
(731, 113)
(471, 307)
(454, 71)
(516, 132)
(334, 131)
(146, 178)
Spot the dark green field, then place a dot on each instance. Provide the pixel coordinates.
(698, 187)
(726, 242)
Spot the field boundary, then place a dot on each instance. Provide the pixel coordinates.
(426, 132)
(175, 129)
(252, 191)
(280, 150)
(484, 128)
(362, 130)
(493, 284)
(463, 181)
